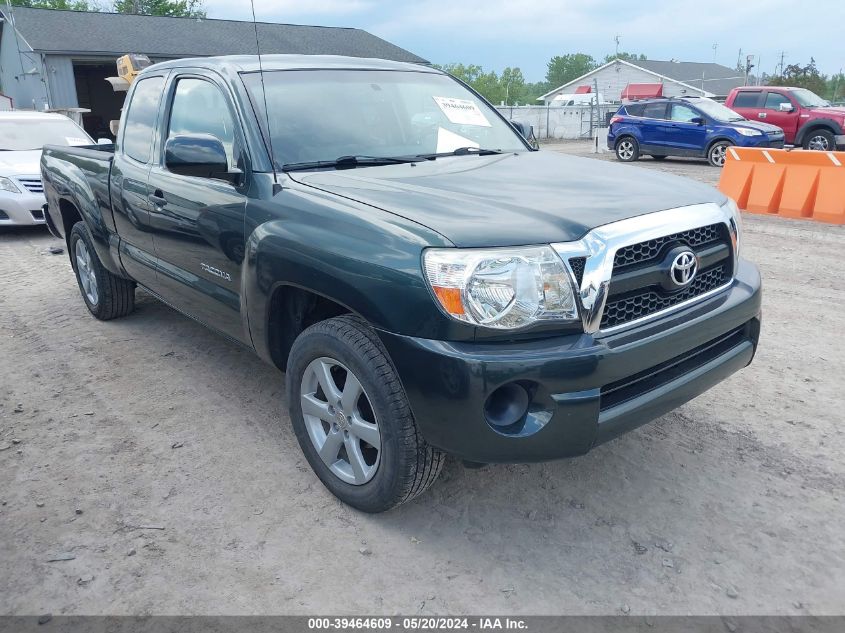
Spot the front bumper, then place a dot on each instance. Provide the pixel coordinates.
(21, 208)
(584, 390)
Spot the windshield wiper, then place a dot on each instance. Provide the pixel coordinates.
(463, 151)
(351, 162)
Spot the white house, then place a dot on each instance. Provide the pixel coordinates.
(673, 79)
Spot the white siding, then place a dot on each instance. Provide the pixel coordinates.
(613, 79)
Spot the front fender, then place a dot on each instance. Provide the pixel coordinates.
(361, 258)
(813, 124)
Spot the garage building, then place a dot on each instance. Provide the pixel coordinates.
(669, 78)
(52, 59)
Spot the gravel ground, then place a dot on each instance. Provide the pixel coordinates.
(148, 466)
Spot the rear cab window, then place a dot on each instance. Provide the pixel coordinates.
(747, 99)
(139, 127)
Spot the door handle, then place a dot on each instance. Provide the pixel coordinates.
(761, 115)
(157, 198)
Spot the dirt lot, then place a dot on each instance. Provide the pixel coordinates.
(157, 458)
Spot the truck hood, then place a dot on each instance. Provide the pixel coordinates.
(833, 112)
(23, 163)
(512, 199)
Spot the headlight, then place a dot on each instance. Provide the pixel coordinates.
(8, 185)
(747, 131)
(503, 288)
(736, 222)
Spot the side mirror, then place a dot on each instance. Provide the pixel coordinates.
(785, 107)
(697, 120)
(199, 155)
(525, 129)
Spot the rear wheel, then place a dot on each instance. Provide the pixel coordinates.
(718, 152)
(627, 149)
(106, 295)
(353, 420)
(821, 140)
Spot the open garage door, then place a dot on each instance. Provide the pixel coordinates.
(96, 94)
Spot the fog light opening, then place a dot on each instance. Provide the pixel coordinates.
(507, 406)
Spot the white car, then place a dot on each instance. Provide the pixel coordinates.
(22, 135)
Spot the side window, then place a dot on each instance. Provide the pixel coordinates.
(655, 111)
(200, 108)
(774, 99)
(746, 99)
(634, 109)
(141, 119)
(683, 113)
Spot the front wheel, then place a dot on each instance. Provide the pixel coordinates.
(718, 152)
(106, 295)
(821, 140)
(352, 418)
(627, 149)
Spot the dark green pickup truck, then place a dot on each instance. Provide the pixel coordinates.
(429, 283)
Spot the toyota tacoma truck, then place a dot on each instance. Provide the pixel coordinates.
(806, 119)
(428, 283)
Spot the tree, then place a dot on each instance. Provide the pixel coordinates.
(628, 57)
(564, 68)
(169, 8)
(836, 87)
(803, 77)
(66, 5)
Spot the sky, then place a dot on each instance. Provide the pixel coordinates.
(527, 33)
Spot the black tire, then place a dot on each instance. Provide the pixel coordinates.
(627, 149)
(406, 465)
(658, 157)
(115, 296)
(821, 140)
(716, 153)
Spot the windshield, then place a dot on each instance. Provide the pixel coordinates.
(25, 134)
(809, 99)
(321, 115)
(717, 110)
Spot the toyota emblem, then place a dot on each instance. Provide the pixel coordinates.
(683, 268)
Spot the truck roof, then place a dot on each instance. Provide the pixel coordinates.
(249, 63)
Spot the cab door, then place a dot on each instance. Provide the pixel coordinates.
(785, 120)
(129, 174)
(198, 222)
(653, 126)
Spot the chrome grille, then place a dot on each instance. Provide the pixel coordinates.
(31, 183)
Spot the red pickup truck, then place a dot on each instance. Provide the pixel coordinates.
(806, 119)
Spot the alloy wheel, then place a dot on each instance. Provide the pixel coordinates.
(818, 143)
(625, 151)
(718, 155)
(340, 420)
(85, 270)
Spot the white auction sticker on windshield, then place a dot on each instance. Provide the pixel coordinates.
(75, 140)
(462, 111)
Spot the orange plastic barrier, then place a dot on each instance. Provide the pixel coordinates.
(792, 184)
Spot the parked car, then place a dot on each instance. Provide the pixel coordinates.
(22, 135)
(426, 289)
(696, 127)
(806, 119)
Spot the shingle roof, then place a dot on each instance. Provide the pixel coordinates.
(85, 33)
(717, 79)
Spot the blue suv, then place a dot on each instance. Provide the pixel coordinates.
(696, 127)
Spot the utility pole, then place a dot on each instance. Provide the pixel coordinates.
(616, 39)
(739, 60)
(782, 55)
(748, 66)
(715, 47)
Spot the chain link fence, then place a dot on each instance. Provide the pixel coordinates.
(561, 122)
